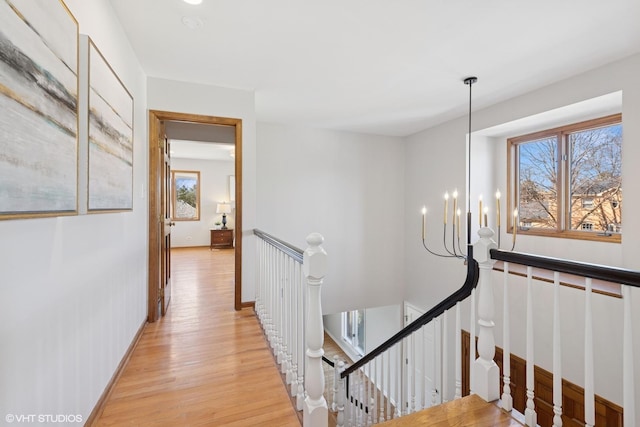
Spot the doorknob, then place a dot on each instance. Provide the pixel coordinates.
(172, 223)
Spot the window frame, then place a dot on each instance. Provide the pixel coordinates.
(174, 194)
(563, 228)
(351, 337)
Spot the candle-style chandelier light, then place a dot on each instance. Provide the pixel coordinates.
(453, 249)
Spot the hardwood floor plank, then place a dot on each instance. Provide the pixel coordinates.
(468, 411)
(203, 364)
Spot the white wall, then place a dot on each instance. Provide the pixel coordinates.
(75, 288)
(381, 323)
(429, 279)
(348, 187)
(183, 97)
(214, 189)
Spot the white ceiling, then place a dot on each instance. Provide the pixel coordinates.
(377, 66)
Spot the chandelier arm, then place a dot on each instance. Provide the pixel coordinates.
(453, 240)
(437, 254)
(460, 250)
(444, 241)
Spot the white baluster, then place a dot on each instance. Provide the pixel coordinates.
(357, 397)
(557, 353)
(399, 363)
(340, 394)
(291, 319)
(354, 396)
(423, 392)
(294, 330)
(458, 357)
(372, 411)
(367, 394)
(263, 283)
(530, 415)
(507, 399)
(486, 373)
(445, 357)
(315, 267)
(270, 299)
(361, 396)
(285, 313)
(351, 399)
(279, 303)
(336, 379)
(382, 387)
(404, 378)
(434, 390)
(589, 394)
(375, 383)
(389, 394)
(412, 372)
(628, 376)
(301, 309)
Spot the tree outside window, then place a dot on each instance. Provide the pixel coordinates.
(185, 199)
(567, 181)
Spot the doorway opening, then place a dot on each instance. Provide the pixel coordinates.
(160, 222)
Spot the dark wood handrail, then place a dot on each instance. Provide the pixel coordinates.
(594, 271)
(470, 282)
(285, 247)
(328, 362)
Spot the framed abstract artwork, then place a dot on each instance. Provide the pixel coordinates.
(110, 151)
(39, 109)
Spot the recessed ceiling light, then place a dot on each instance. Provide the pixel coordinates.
(193, 1)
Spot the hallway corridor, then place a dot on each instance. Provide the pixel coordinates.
(203, 364)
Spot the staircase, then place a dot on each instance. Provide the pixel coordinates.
(468, 411)
(387, 386)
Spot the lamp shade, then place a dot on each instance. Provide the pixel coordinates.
(223, 208)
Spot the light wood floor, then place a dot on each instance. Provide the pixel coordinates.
(466, 412)
(203, 364)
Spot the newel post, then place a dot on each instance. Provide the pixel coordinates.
(314, 265)
(486, 374)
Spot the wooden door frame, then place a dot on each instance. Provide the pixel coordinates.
(154, 207)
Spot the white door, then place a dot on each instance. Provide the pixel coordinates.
(422, 363)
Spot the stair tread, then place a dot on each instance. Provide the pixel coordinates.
(468, 411)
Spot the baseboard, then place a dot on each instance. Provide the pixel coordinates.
(348, 351)
(248, 304)
(99, 408)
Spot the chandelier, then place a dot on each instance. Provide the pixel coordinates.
(451, 238)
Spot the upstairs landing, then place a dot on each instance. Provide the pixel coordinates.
(468, 411)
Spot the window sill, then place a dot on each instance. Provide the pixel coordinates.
(351, 351)
(571, 234)
(577, 282)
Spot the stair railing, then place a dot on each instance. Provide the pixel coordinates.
(376, 386)
(626, 278)
(385, 383)
(289, 309)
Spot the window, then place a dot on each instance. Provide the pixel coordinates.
(353, 329)
(587, 203)
(185, 200)
(567, 182)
